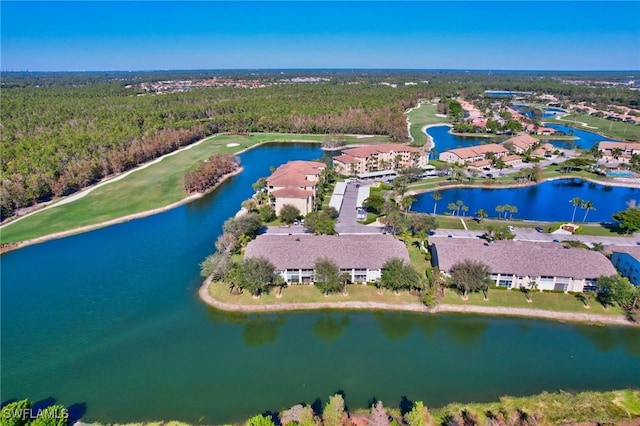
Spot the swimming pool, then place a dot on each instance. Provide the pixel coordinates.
(619, 174)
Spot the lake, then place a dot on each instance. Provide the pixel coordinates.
(546, 201)
(444, 140)
(109, 322)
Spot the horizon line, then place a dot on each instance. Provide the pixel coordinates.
(319, 69)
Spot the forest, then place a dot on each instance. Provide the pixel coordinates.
(61, 132)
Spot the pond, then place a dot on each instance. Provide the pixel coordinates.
(547, 201)
(443, 140)
(109, 322)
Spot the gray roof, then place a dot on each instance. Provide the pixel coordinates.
(347, 251)
(523, 258)
(633, 251)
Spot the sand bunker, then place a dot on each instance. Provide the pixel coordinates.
(231, 145)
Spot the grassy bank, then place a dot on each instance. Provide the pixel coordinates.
(421, 116)
(153, 187)
(555, 302)
(559, 302)
(612, 129)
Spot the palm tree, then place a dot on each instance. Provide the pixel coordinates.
(499, 210)
(576, 201)
(512, 210)
(482, 214)
(464, 209)
(345, 277)
(453, 207)
(437, 196)
(587, 205)
(459, 203)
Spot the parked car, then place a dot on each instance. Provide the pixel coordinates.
(539, 229)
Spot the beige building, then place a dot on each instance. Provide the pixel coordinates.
(473, 153)
(521, 143)
(515, 264)
(619, 151)
(295, 183)
(294, 256)
(373, 158)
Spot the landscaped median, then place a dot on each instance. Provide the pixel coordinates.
(550, 306)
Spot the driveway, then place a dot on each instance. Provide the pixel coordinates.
(347, 223)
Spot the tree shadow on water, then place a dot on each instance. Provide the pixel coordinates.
(406, 405)
(395, 326)
(329, 328)
(262, 330)
(76, 412)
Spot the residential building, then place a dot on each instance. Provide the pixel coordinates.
(545, 131)
(512, 160)
(626, 259)
(515, 264)
(294, 256)
(373, 158)
(620, 151)
(295, 183)
(473, 153)
(543, 150)
(521, 143)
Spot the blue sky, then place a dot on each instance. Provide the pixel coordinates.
(540, 35)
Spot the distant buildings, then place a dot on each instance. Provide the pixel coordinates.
(373, 158)
(515, 264)
(294, 256)
(618, 151)
(295, 183)
(473, 153)
(510, 151)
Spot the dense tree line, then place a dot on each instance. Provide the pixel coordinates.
(209, 172)
(64, 131)
(58, 139)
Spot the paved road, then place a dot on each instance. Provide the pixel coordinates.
(530, 234)
(347, 223)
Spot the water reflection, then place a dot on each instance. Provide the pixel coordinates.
(395, 326)
(330, 327)
(466, 332)
(262, 330)
(607, 339)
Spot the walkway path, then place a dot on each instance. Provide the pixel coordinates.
(587, 318)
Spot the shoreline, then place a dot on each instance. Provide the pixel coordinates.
(559, 316)
(15, 246)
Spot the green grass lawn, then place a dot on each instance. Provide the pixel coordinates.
(516, 299)
(557, 408)
(310, 294)
(153, 187)
(613, 129)
(421, 116)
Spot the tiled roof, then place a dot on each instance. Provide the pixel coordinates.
(347, 159)
(524, 258)
(509, 158)
(289, 179)
(523, 141)
(633, 251)
(347, 251)
(480, 163)
(292, 192)
(622, 145)
(367, 150)
(473, 151)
